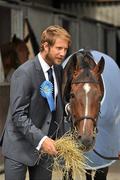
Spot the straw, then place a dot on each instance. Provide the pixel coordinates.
(70, 159)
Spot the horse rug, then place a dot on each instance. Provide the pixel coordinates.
(108, 136)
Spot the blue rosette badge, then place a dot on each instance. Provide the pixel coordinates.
(46, 89)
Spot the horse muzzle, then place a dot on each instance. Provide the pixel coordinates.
(86, 142)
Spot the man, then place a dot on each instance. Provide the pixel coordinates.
(35, 116)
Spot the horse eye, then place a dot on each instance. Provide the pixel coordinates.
(72, 95)
(100, 98)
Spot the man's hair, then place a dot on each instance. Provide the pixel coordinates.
(50, 34)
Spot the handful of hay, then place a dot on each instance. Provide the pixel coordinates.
(70, 159)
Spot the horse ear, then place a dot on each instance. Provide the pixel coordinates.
(79, 60)
(100, 66)
(14, 38)
(72, 64)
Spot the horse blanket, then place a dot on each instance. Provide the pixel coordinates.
(108, 136)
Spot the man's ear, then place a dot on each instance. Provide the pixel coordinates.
(46, 46)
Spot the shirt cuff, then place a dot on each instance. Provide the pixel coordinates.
(40, 143)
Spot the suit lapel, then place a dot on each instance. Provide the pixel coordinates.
(40, 78)
(59, 101)
(39, 72)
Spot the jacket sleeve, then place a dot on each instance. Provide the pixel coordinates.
(20, 99)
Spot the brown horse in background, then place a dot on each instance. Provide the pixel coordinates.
(83, 89)
(13, 54)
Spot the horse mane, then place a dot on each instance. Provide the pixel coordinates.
(87, 63)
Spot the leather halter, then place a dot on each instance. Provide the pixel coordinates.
(92, 80)
(87, 117)
(82, 79)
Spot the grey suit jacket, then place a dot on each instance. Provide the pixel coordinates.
(29, 115)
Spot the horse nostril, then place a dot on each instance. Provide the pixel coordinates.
(87, 142)
(79, 137)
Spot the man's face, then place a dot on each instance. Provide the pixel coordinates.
(57, 52)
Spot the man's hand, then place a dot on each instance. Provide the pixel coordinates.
(49, 147)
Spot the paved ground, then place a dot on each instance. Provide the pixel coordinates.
(114, 173)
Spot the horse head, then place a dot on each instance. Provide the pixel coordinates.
(21, 48)
(86, 90)
(13, 53)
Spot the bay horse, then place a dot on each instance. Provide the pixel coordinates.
(102, 148)
(13, 54)
(83, 88)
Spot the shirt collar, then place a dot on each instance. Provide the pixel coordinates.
(43, 63)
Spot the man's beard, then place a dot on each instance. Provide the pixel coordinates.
(49, 59)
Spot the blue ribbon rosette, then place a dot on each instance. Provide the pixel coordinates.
(46, 90)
